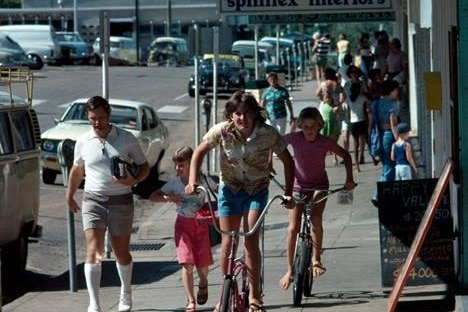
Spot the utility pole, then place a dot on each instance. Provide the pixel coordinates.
(169, 18)
(137, 30)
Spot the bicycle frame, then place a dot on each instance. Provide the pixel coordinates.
(233, 298)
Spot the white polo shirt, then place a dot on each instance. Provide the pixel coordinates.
(95, 155)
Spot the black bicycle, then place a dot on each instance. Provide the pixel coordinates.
(303, 275)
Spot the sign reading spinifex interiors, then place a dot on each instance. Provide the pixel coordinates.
(300, 6)
(353, 17)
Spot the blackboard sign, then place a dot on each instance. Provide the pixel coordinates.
(402, 205)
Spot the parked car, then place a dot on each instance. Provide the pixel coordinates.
(12, 55)
(289, 57)
(168, 49)
(137, 117)
(246, 49)
(232, 75)
(122, 51)
(74, 49)
(38, 41)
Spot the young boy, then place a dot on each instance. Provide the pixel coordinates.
(192, 240)
(402, 155)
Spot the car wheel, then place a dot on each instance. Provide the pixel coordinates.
(13, 259)
(160, 59)
(191, 91)
(95, 60)
(48, 176)
(37, 62)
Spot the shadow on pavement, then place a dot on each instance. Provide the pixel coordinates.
(143, 273)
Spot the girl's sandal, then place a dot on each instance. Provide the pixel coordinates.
(202, 295)
(255, 307)
(318, 269)
(190, 307)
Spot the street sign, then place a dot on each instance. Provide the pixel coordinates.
(274, 19)
(243, 7)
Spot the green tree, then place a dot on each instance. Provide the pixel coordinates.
(13, 4)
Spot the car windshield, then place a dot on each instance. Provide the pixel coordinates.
(223, 62)
(8, 43)
(123, 116)
(69, 37)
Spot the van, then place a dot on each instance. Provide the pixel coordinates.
(289, 57)
(122, 51)
(20, 152)
(246, 49)
(168, 49)
(38, 41)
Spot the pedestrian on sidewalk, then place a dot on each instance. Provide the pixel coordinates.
(107, 199)
(387, 110)
(275, 100)
(402, 154)
(192, 240)
(321, 48)
(343, 47)
(356, 90)
(310, 151)
(246, 143)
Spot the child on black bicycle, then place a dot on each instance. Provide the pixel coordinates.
(310, 151)
(246, 144)
(192, 239)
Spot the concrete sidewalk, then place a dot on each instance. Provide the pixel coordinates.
(351, 254)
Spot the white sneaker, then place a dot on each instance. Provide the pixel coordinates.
(125, 303)
(94, 309)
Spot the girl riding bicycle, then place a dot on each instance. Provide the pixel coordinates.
(310, 151)
(246, 144)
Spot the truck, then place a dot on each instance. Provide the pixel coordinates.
(20, 139)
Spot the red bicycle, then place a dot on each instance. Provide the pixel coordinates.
(235, 289)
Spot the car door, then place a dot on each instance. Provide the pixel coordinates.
(154, 135)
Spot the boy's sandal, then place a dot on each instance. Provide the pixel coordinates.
(190, 307)
(202, 295)
(255, 307)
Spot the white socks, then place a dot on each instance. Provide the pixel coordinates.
(92, 272)
(125, 274)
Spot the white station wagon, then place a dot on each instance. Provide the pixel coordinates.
(137, 117)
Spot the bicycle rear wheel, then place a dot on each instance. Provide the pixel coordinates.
(301, 266)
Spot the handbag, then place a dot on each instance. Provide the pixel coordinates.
(204, 217)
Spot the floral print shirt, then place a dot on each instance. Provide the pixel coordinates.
(245, 163)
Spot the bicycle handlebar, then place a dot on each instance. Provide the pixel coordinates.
(240, 233)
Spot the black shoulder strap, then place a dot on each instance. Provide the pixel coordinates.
(213, 194)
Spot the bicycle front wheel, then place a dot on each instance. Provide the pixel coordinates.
(301, 266)
(231, 299)
(309, 275)
(226, 298)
